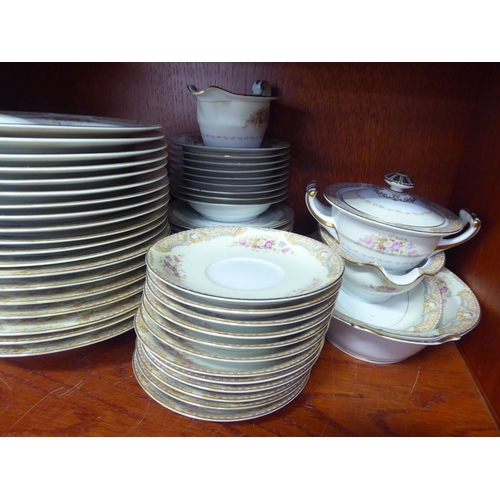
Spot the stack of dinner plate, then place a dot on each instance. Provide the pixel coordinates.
(228, 329)
(229, 185)
(82, 200)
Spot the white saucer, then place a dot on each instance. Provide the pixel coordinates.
(245, 265)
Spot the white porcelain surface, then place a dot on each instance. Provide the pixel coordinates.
(210, 365)
(371, 282)
(220, 324)
(203, 394)
(67, 343)
(82, 199)
(243, 310)
(91, 188)
(183, 215)
(77, 202)
(194, 411)
(222, 174)
(417, 310)
(87, 168)
(461, 314)
(37, 145)
(247, 333)
(49, 158)
(396, 244)
(245, 265)
(51, 213)
(34, 124)
(231, 120)
(221, 212)
(193, 142)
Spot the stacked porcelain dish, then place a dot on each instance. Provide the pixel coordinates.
(228, 186)
(397, 297)
(82, 200)
(228, 329)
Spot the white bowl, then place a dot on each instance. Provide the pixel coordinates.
(229, 213)
(366, 346)
(461, 314)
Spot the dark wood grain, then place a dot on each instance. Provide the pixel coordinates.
(478, 187)
(92, 392)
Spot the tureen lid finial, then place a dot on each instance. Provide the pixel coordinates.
(399, 181)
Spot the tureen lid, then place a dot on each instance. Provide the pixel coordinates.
(393, 205)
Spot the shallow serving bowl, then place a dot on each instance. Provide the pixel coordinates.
(461, 314)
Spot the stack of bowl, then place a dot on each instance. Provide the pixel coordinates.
(228, 185)
(397, 297)
(228, 329)
(82, 199)
(228, 173)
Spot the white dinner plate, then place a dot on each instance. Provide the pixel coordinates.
(89, 168)
(28, 229)
(99, 210)
(9, 341)
(48, 284)
(25, 179)
(86, 189)
(47, 158)
(80, 234)
(42, 145)
(51, 324)
(67, 343)
(74, 202)
(32, 312)
(93, 245)
(29, 265)
(27, 124)
(54, 295)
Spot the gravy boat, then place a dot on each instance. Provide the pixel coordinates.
(232, 120)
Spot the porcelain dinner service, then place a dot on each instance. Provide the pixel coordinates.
(231, 309)
(225, 317)
(82, 200)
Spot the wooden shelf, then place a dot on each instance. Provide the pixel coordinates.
(92, 391)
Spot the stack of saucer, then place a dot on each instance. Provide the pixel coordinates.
(229, 185)
(82, 200)
(396, 297)
(227, 329)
